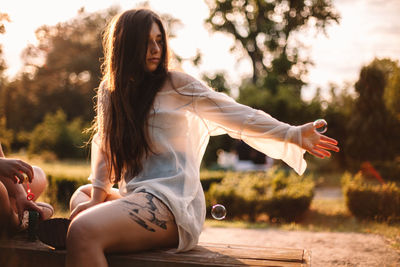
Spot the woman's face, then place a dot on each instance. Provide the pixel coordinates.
(154, 48)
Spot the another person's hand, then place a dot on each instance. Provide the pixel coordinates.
(23, 204)
(315, 143)
(15, 169)
(81, 207)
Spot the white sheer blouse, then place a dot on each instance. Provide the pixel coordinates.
(180, 125)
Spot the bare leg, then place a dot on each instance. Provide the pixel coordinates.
(39, 182)
(133, 223)
(9, 221)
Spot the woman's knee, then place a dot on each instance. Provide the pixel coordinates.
(83, 233)
(39, 182)
(81, 194)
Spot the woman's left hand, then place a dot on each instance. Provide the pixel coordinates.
(315, 143)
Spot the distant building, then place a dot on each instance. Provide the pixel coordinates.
(243, 158)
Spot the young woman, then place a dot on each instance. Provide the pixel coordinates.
(13, 194)
(152, 129)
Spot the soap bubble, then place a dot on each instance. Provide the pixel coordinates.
(322, 125)
(218, 212)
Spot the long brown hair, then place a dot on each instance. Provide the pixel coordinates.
(132, 88)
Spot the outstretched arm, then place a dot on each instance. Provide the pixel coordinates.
(222, 114)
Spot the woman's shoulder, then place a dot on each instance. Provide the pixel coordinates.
(181, 79)
(103, 94)
(103, 86)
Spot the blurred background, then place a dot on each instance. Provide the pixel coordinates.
(297, 60)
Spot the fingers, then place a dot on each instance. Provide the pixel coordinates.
(21, 171)
(20, 177)
(20, 214)
(328, 140)
(28, 170)
(75, 212)
(328, 146)
(25, 168)
(316, 153)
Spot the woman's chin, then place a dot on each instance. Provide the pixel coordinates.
(151, 67)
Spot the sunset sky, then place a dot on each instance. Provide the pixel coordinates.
(368, 29)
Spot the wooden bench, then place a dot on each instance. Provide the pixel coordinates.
(22, 253)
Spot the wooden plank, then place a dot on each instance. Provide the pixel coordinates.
(27, 254)
(243, 251)
(31, 254)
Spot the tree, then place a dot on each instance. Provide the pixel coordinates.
(3, 66)
(371, 129)
(337, 112)
(6, 135)
(264, 30)
(65, 65)
(60, 72)
(56, 135)
(391, 70)
(217, 82)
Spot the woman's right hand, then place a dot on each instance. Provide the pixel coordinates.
(315, 143)
(81, 207)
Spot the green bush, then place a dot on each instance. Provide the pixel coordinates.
(282, 196)
(207, 178)
(371, 201)
(56, 135)
(61, 188)
(6, 135)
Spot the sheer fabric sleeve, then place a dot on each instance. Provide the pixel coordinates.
(222, 114)
(99, 171)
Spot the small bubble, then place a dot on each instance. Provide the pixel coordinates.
(218, 212)
(321, 126)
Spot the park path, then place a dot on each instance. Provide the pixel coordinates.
(328, 249)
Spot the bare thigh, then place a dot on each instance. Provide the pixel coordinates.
(136, 222)
(8, 218)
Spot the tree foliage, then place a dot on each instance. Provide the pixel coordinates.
(60, 72)
(6, 135)
(3, 17)
(264, 30)
(337, 112)
(391, 95)
(372, 130)
(58, 136)
(217, 82)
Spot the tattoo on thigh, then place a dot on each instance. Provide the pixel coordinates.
(146, 211)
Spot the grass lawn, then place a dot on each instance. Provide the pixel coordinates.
(70, 168)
